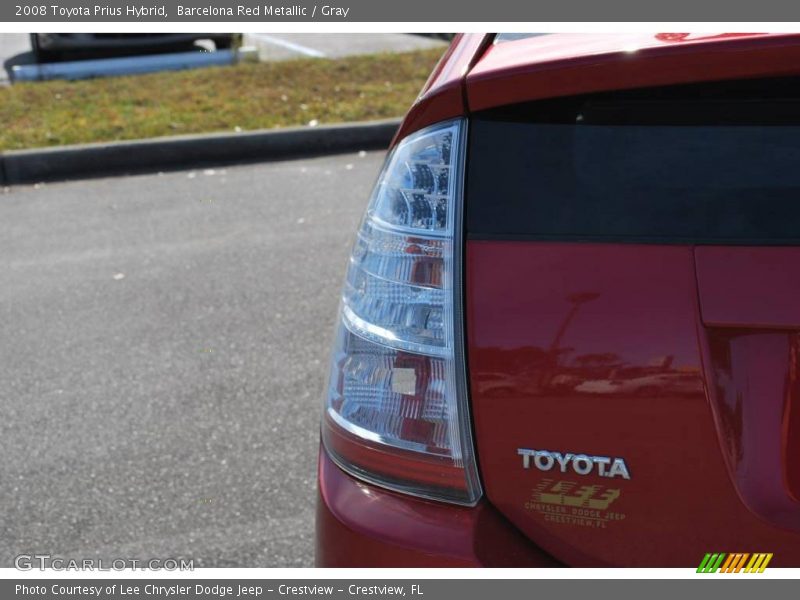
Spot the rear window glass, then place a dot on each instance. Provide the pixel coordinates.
(640, 182)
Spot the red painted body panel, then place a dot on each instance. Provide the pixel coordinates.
(361, 525)
(597, 349)
(749, 286)
(749, 304)
(567, 64)
(442, 97)
(604, 349)
(475, 74)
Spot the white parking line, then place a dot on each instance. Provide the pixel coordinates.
(289, 45)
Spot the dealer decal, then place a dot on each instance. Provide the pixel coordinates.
(570, 503)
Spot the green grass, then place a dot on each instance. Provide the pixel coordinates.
(242, 97)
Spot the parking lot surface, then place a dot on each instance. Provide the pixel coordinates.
(164, 343)
(15, 49)
(280, 46)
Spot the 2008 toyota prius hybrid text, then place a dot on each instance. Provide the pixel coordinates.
(569, 331)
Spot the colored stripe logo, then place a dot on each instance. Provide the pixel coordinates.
(738, 562)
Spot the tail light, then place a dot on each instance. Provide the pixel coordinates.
(396, 404)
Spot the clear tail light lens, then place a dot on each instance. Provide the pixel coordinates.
(396, 403)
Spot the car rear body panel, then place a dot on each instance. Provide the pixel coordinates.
(748, 300)
(362, 525)
(631, 278)
(548, 324)
(629, 295)
(568, 64)
(443, 95)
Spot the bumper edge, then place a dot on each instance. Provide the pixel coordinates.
(361, 525)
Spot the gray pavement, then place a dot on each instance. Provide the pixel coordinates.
(282, 46)
(15, 49)
(163, 346)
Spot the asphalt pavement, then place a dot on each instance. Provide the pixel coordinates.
(15, 49)
(163, 347)
(282, 46)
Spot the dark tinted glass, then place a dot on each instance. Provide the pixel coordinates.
(606, 172)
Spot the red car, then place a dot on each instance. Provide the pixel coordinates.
(570, 327)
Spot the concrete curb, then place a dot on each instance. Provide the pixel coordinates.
(170, 153)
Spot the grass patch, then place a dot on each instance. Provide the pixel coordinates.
(242, 97)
